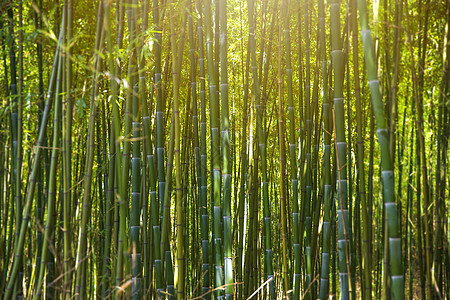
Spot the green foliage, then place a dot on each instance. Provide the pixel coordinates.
(224, 168)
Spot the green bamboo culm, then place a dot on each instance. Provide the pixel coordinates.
(154, 217)
(67, 155)
(292, 152)
(81, 264)
(195, 266)
(117, 137)
(177, 55)
(365, 264)
(49, 224)
(204, 217)
(40, 177)
(16, 103)
(261, 134)
(226, 158)
(243, 182)
(123, 262)
(282, 158)
(51, 199)
(157, 222)
(252, 171)
(387, 170)
(215, 151)
(165, 224)
(341, 153)
(135, 215)
(327, 183)
(166, 220)
(174, 282)
(147, 171)
(307, 176)
(115, 159)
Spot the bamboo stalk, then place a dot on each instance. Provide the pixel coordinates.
(386, 162)
(292, 151)
(67, 155)
(282, 156)
(215, 151)
(177, 58)
(268, 254)
(344, 230)
(327, 189)
(159, 267)
(135, 215)
(226, 159)
(204, 222)
(365, 260)
(81, 264)
(52, 184)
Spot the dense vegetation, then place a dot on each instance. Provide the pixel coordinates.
(226, 149)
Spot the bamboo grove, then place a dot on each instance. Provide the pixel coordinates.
(224, 149)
